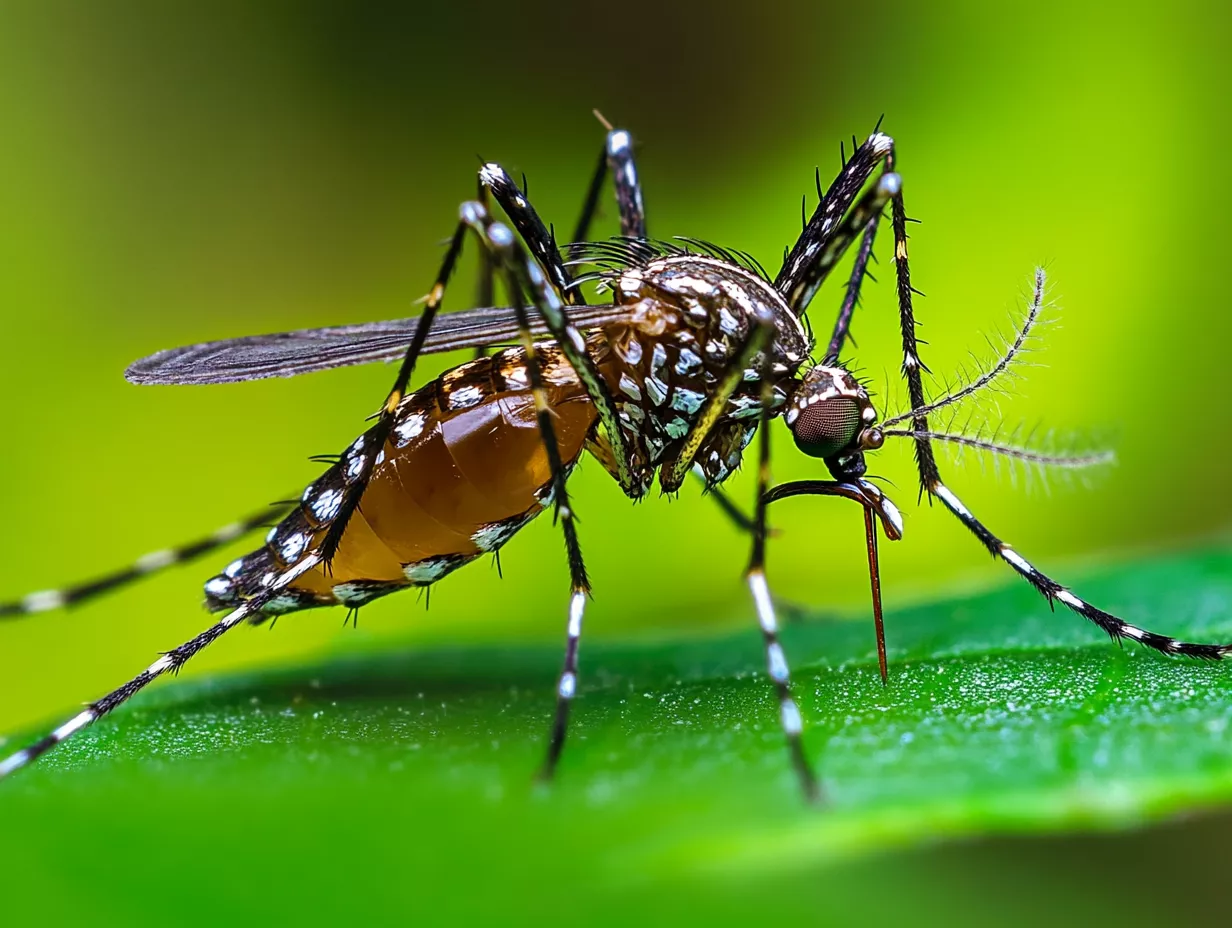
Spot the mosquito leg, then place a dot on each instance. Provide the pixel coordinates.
(373, 445)
(485, 287)
(726, 504)
(546, 295)
(46, 600)
(581, 232)
(616, 156)
(540, 240)
(814, 254)
(926, 463)
(619, 151)
(171, 661)
(859, 270)
(522, 276)
(931, 483)
(755, 576)
(1117, 629)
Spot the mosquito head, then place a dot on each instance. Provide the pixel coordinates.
(831, 417)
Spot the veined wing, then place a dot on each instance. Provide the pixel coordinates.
(285, 354)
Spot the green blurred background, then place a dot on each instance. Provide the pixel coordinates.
(173, 173)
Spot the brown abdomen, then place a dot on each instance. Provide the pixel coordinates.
(463, 469)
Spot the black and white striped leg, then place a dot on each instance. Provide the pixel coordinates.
(616, 156)
(931, 483)
(171, 661)
(619, 150)
(546, 295)
(538, 238)
(830, 229)
(1116, 628)
(364, 453)
(144, 566)
(926, 462)
(755, 576)
(523, 278)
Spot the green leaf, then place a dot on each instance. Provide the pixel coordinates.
(401, 782)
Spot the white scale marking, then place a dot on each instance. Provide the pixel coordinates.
(230, 532)
(75, 724)
(14, 762)
(568, 685)
(490, 174)
(428, 570)
(792, 723)
(325, 507)
(218, 587)
(42, 601)
(293, 546)
(354, 594)
(155, 560)
(465, 397)
(1069, 599)
(676, 428)
(658, 359)
(577, 606)
(162, 665)
(777, 662)
(1016, 559)
(687, 361)
(491, 537)
(411, 428)
(687, 401)
(765, 607)
(941, 490)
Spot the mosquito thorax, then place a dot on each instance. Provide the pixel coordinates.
(831, 417)
(690, 316)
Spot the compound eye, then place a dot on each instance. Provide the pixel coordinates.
(826, 427)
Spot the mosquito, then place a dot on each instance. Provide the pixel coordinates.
(694, 351)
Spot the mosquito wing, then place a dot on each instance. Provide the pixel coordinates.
(285, 354)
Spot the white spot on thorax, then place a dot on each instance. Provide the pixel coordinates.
(687, 362)
(676, 428)
(687, 401)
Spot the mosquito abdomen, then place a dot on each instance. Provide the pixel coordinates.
(464, 468)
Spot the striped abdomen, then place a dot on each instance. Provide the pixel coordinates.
(464, 468)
